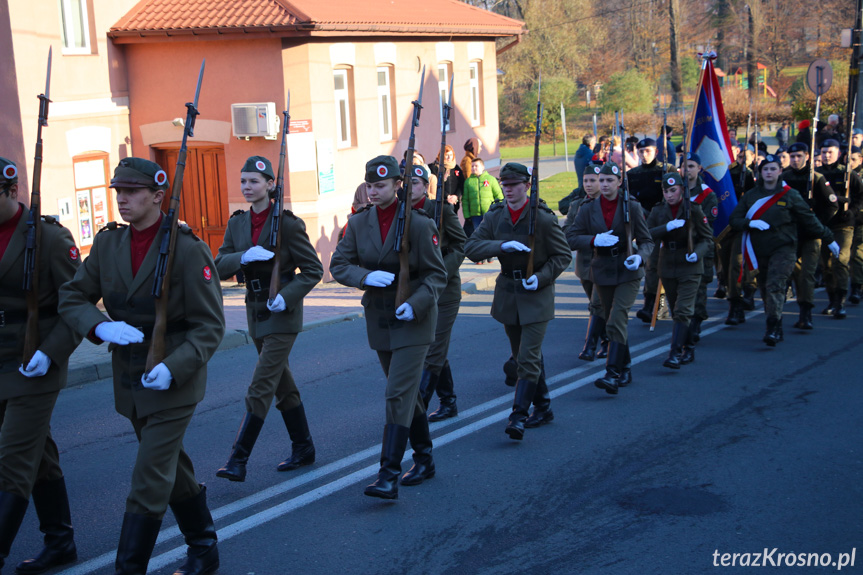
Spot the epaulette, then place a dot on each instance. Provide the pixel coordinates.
(290, 213)
(51, 220)
(496, 205)
(111, 226)
(364, 208)
(544, 206)
(238, 213)
(188, 231)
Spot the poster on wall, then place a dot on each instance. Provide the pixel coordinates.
(100, 208)
(85, 218)
(326, 167)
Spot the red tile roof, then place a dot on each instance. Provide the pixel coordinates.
(168, 18)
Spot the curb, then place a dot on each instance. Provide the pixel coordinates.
(478, 285)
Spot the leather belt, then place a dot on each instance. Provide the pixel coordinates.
(514, 274)
(612, 251)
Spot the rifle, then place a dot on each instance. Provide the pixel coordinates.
(813, 129)
(687, 201)
(165, 263)
(755, 135)
(745, 144)
(627, 221)
(665, 143)
(441, 169)
(278, 206)
(33, 242)
(534, 184)
(848, 158)
(401, 245)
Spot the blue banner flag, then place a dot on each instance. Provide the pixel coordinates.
(709, 139)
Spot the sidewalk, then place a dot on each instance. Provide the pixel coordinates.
(326, 304)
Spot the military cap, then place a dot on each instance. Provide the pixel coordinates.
(646, 143)
(513, 172)
(830, 143)
(856, 150)
(8, 171)
(260, 165)
(382, 168)
(735, 143)
(420, 171)
(139, 173)
(750, 148)
(782, 150)
(769, 159)
(610, 169)
(593, 168)
(671, 179)
(798, 147)
(856, 131)
(693, 157)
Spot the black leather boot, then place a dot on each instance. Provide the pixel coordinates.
(741, 314)
(421, 443)
(625, 368)
(395, 440)
(645, 314)
(678, 334)
(446, 393)
(137, 539)
(839, 305)
(805, 319)
(12, 510)
(830, 305)
(510, 369)
(247, 435)
(302, 447)
(854, 296)
(613, 364)
(588, 353)
(55, 520)
(771, 335)
(687, 353)
(720, 292)
(196, 524)
(542, 413)
(779, 331)
(732, 313)
(748, 299)
(524, 392)
(695, 329)
(428, 385)
(602, 350)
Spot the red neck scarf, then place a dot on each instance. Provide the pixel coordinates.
(258, 221)
(141, 241)
(7, 229)
(386, 217)
(515, 214)
(609, 207)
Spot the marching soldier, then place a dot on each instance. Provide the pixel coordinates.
(159, 404)
(401, 335)
(679, 269)
(437, 374)
(855, 158)
(645, 184)
(273, 325)
(524, 305)
(769, 216)
(596, 323)
(729, 245)
(29, 460)
(842, 226)
(824, 204)
(616, 276)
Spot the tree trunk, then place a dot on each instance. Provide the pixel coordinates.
(674, 49)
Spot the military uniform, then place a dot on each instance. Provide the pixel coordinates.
(616, 285)
(401, 345)
(29, 459)
(775, 248)
(705, 198)
(856, 265)
(681, 278)
(274, 333)
(163, 473)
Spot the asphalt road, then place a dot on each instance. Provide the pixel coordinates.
(746, 449)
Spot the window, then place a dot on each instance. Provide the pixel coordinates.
(385, 107)
(475, 93)
(92, 202)
(342, 83)
(444, 72)
(75, 27)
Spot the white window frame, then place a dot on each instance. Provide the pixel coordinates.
(385, 104)
(344, 138)
(475, 93)
(76, 9)
(444, 70)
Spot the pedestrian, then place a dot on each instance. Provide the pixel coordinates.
(120, 271)
(804, 132)
(29, 458)
(481, 190)
(472, 149)
(615, 274)
(523, 303)
(684, 242)
(584, 154)
(437, 373)
(273, 325)
(782, 134)
(401, 335)
(769, 216)
(453, 182)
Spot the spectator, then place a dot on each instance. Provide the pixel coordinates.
(584, 154)
(480, 191)
(453, 180)
(782, 135)
(804, 133)
(472, 148)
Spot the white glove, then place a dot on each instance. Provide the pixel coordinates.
(692, 258)
(38, 365)
(674, 224)
(605, 239)
(513, 246)
(530, 283)
(118, 332)
(256, 254)
(759, 225)
(405, 312)
(277, 304)
(632, 263)
(159, 378)
(379, 278)
(832, 246)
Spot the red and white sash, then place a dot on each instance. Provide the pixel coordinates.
(705, 190)
(755, 212)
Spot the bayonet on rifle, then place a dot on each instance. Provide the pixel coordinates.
(446, 107)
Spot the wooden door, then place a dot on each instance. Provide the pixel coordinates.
(204, 202)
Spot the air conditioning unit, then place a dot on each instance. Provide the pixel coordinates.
(255, 120)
